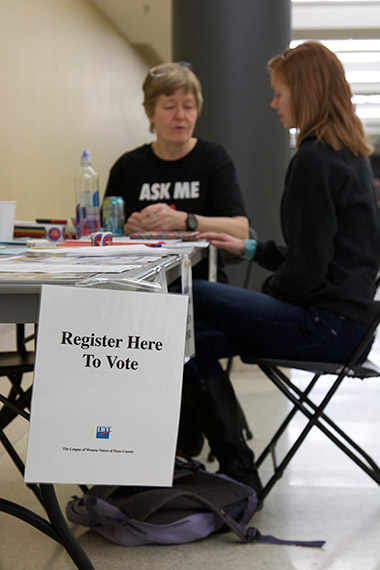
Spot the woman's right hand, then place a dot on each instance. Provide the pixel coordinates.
(224, 241)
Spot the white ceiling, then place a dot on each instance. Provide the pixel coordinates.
(147, 25)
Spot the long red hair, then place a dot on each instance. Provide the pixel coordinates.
(321, 96)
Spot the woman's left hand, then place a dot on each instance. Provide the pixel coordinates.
(224, 241)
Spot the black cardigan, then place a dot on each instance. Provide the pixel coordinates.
(330, 223)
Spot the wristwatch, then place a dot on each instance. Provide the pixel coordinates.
(191, 222)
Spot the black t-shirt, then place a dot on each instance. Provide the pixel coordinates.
(202, 182)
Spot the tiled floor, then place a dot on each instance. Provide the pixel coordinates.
(322, 495)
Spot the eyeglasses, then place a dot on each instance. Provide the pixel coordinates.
(155, 71)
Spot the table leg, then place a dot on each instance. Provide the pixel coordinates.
(61, 528)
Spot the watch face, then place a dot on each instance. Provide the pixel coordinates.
(191, 222)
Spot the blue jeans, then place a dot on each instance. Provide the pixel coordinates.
(231, 320)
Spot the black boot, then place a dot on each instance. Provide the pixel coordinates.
(217, 410)
(190, 437)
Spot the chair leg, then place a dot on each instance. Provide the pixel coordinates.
(304, 400)
(316, 416)
(29, 517)
(56, 528)
(271, 447)
(61, 528)
(20, 465)
(15, 390)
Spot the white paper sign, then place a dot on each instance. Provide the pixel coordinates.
(107, 387)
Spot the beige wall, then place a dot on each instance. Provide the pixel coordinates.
(69, 81)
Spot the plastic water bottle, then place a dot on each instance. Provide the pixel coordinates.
(87, 197)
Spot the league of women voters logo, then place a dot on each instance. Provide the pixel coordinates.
(103, 432)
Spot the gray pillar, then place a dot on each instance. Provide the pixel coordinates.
(229, 43)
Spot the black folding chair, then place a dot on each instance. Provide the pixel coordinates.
(315, 413)
(13, 364)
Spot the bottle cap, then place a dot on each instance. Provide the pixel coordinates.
(86, 157)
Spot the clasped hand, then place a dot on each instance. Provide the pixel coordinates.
(156, 217)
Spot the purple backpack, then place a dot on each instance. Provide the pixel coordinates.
(199, 504)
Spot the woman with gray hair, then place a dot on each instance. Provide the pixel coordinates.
(178, 182)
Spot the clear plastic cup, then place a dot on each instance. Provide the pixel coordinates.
(7, 220)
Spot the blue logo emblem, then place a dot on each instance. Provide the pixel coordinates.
(103, 432)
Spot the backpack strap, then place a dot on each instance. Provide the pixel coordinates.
(142, 508)
(188, 469)
(253, 535)
(153, 501)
